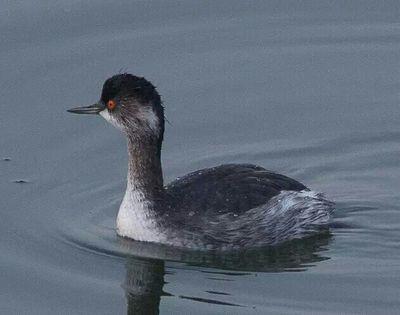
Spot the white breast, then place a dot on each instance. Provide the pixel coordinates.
(135, 219)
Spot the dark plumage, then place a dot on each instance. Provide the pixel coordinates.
(124, 85)
(228, 188)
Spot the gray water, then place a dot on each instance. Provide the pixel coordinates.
(306, 88)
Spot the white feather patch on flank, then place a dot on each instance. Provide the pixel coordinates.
(134, 218)
(107, 116)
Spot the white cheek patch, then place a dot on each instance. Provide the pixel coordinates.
(148, 115)
(145, 114)
(107, 116)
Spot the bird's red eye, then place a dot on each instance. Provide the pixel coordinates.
(111, 104)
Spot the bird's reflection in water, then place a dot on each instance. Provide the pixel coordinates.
(145, 275)
(144, 285)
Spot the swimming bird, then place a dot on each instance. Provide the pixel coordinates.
(229, 206)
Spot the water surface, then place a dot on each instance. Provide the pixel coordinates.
(309, 89)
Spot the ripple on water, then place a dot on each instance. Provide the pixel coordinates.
(149, 266)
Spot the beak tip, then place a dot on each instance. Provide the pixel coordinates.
(72, 110)
(92, 109)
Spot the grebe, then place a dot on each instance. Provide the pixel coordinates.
(225, 207)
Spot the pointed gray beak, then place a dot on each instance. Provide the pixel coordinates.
(92, 109)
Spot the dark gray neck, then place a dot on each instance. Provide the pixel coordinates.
(144, 166)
